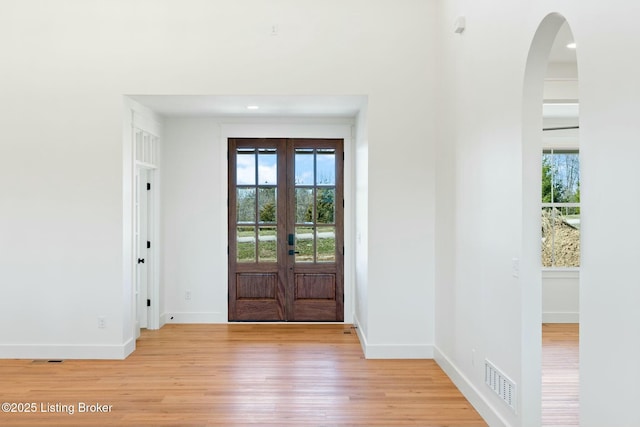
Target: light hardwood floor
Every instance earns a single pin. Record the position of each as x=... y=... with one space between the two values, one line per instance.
x=239 y=374
x=560 y=379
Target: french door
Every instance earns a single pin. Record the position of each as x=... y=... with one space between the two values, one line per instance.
x=286 y=230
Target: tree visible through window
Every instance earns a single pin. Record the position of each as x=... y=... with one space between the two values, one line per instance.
x=560 y=208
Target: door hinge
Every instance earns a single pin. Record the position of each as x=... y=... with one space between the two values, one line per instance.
x=148 y=186
x=148 y=244
x=148 y=303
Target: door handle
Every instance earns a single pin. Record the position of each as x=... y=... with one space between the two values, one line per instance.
x=292 y=252
x=291 y=240
x=140 y=260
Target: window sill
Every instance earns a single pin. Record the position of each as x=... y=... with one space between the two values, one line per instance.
x=561 y=273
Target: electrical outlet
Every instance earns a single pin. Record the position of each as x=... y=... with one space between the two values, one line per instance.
x=102 y=322
x=187 y=295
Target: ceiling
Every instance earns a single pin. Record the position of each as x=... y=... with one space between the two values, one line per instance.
x=340 y=106
x=560 y=110
x=563 y=61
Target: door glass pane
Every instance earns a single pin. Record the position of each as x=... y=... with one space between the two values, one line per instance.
x=267 y=204
x=326 y=167
x=325 y=205
x=267 y=244
x=246 y=166
x=326 y=244
x=304 y=244
x=246 y=244
x=304 y=167
x=304 y=205
x=267 y=167
x=246 y=205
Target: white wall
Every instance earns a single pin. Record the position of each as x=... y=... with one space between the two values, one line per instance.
x=401 y=208
x=479 y=201
x=560 y=296
x=480 y=305
x=609 y=294
x=67 y=65
x=194 y=256
x=61 y=193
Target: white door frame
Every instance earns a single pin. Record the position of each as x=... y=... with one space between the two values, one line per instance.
x=146 y=130
x=145 y=222
x=151 y=254
x=136 y=119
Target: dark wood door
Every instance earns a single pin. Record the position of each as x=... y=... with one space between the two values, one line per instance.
x=286 y=242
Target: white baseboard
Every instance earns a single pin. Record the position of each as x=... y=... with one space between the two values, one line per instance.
x=560 y=317
x=360 y=333
x=392 y=351
x=67 y=351
x=129 y=347
x=207 y=317
x=399 y=351
x=162 y=321
x=466 y=387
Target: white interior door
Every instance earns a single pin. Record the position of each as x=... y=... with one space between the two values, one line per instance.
x=143 y=259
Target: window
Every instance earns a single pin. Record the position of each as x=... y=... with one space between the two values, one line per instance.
x=560 y=208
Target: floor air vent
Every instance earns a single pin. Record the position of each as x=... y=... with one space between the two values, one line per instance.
x=504 y=387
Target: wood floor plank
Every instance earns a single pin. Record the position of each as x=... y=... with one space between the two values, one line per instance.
x=560 y=375
x=239 y=375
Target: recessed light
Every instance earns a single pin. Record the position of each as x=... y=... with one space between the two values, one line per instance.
x=571 y=45
x=252 y=107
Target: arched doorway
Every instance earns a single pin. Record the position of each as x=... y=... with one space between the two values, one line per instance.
x=550 y=122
